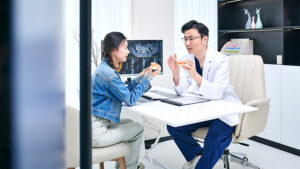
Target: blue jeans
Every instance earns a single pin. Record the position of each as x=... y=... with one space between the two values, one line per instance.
x=216 y=141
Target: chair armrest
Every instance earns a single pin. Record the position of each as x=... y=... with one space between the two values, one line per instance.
x=255 y=122
x=258 y=102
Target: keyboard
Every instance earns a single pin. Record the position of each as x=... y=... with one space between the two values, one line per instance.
x=153 y=96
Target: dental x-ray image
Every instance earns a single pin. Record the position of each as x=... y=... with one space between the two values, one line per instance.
x=142 y=53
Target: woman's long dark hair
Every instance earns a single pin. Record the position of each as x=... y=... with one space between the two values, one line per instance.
x=111 y=41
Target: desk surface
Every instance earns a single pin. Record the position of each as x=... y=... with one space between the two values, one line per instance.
x=183 y=115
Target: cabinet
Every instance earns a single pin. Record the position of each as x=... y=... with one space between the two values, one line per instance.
x=273 y=91
x=282 y=87
x=290 y=106
x=280 y=34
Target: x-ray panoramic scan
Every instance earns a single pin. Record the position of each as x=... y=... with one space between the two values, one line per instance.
x=142 y=53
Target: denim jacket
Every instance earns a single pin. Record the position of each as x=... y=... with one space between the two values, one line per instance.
x=108 y=92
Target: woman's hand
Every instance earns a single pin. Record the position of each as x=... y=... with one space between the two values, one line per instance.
x=172 y=63
x=156 y=72
x=144 y=71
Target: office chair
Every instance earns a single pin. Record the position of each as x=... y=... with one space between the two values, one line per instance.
x=247 y=78
x=115 y=152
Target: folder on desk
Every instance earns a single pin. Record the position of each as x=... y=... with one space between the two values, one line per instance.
x=153 y=96
x=185 y=100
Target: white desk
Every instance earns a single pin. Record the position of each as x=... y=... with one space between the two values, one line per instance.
x=182 y=115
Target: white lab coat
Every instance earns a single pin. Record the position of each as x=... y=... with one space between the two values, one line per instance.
x=215 y=83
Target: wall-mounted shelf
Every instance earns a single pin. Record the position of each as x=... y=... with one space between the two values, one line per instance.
x=280 y=34
x=292 y=27
x=250 y=30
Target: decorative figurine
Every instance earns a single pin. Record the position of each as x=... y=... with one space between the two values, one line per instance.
x=247 y=26
x=258 y=22
x=253 y=23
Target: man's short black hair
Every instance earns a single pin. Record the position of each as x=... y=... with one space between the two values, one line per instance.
x=202 y=29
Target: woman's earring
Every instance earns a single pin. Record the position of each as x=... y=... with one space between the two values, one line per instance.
x=119 y=67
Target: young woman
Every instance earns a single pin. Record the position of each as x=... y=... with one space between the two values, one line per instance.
x=108 y=94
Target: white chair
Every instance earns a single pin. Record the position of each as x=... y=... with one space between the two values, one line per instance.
x=247 y=78
x=115 y=152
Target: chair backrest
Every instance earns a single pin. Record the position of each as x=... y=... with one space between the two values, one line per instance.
x=248 y=79
x=72 y=141
x=72 y=137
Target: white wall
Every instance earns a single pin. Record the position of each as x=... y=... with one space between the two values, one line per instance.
x=155 y=20
x=204 y=11
x=107 y=16
x=71 y=52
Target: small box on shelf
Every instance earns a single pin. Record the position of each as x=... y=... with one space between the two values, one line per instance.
x=238 y=47
x=279 y=59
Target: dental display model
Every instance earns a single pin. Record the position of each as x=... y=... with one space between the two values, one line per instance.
x=154 y=66
x=180 y=62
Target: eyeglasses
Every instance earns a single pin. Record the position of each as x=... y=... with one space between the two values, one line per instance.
x=190 y=38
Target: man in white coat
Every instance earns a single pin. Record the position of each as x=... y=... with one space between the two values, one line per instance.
x=207 y=74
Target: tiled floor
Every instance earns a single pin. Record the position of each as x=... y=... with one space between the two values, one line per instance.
x=167 y=156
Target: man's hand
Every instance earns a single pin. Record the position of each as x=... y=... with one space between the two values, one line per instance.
x=172 y=63
x=190 y=67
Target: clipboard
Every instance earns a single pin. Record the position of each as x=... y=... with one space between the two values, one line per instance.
x=181 y=101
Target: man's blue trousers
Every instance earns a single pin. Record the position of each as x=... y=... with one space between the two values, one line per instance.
x=216 y=141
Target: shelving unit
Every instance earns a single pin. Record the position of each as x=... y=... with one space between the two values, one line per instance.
x=280 y=34
x=291 y=32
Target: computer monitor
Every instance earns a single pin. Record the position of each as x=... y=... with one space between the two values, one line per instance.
x=142 y=53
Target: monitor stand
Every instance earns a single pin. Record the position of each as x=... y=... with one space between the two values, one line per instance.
x=128 y=80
